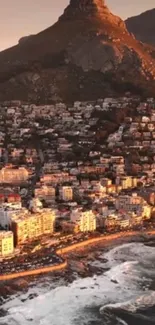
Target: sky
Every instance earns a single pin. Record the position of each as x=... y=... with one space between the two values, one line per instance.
x=20 y=18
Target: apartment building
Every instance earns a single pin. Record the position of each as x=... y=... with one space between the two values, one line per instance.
x=126 y=202
x=32 y=225
x=126 y=182
x=66 y=193
x=86 y=220
x=6 y=243
x=122 y=220
x=56 y=178
x=10 y=175
x=46 y=193
x=135 y=204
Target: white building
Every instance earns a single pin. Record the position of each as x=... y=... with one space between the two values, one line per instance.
x=35 y=205
x=7 y=212
x=6 y=243
x=86 y=220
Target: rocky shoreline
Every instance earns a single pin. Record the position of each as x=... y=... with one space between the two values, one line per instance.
x=80 y=263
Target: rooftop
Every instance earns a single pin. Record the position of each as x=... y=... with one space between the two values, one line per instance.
x=4 y=234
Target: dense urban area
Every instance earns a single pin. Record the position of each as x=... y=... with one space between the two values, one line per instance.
x=71 y=172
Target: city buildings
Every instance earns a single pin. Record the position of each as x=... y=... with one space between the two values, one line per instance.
x=129 y=202
x=70 y=158
x=122 y=221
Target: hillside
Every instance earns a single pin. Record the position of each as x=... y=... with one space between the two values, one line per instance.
x=143 y=26
x=87 y=54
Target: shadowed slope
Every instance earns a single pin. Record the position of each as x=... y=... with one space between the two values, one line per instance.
x=88 y=50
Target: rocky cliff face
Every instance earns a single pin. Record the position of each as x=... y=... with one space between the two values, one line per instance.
x=143 y=26
x=86 y=9
x=87 y=54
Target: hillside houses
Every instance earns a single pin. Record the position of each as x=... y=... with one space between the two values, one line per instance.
x=49 y=149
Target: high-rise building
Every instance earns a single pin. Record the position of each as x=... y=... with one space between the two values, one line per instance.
x=32 y=225
x=86 y=220
x=6 y=243
x=66 y=193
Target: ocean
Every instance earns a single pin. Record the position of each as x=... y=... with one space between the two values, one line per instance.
x=124 y=294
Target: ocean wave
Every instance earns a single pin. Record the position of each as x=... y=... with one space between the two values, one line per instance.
x=142 y=302
x=131 y=252
x=121 y=321
x=134 y=307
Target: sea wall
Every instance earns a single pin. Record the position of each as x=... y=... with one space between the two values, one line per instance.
x=96 y=240
x=47 y=269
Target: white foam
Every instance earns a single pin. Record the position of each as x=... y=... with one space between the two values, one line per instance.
x=121 y=321
x=141 y=302
x=63 y=304
x=133 y=252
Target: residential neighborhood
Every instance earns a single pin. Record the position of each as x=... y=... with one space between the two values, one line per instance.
x=63 y=171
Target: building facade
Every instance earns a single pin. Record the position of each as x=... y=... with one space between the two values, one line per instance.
x=46 y=193
x=86 y=220
x=6 y=243
x=10 y=175
x=32 y=225
x=66 y=193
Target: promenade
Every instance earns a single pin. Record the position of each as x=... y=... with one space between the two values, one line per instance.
x=62 y=251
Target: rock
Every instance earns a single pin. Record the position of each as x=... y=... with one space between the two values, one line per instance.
x=114 y=281
x=86 y=55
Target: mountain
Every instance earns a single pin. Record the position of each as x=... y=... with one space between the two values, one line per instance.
x=86 y=54
x=143 y=26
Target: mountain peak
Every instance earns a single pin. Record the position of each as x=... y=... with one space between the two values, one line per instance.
x=86 y=8
x=87 y=52
x=88 y=5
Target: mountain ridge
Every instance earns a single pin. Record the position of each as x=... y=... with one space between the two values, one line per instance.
x=143 y=26
x=88 y=50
